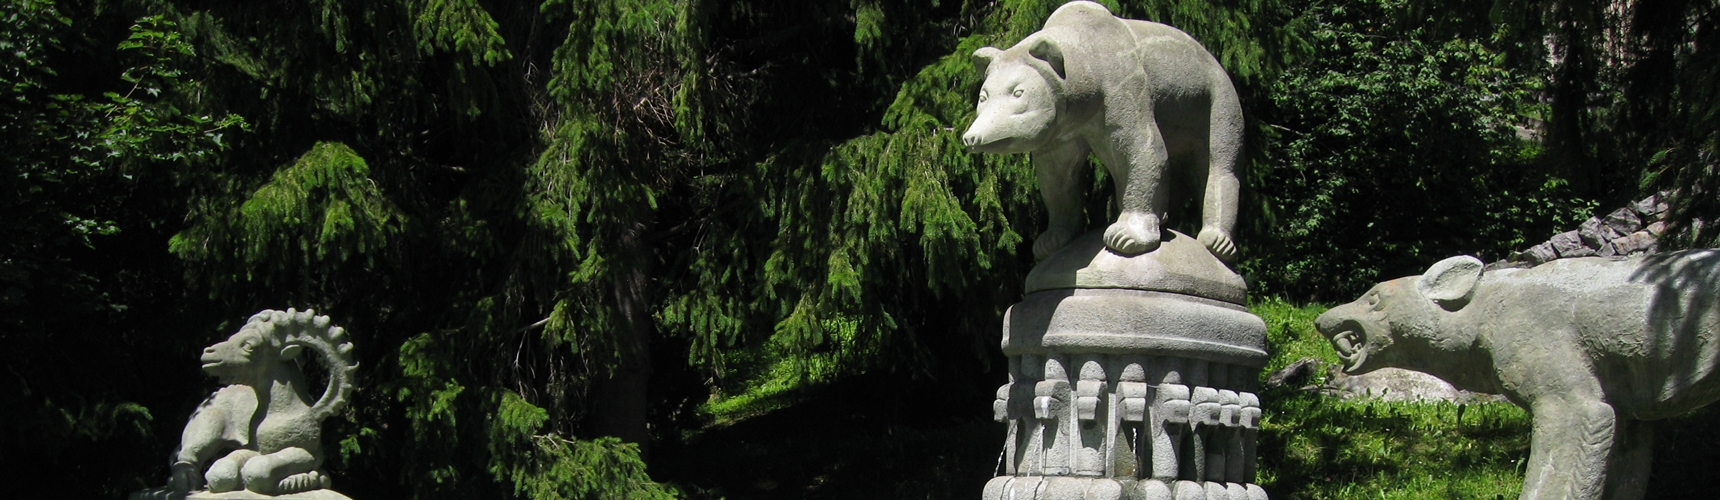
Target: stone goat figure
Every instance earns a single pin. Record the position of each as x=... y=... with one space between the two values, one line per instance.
x=1146 y=99
x=1594 y=348
x=265 y=427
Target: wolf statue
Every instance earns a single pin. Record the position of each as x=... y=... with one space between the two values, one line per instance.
x=1595 y=348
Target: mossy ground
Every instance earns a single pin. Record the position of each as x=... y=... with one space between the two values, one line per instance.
x=887 y=437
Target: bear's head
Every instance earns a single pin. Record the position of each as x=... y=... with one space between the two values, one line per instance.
x=1020 y=99
x=1397 y=323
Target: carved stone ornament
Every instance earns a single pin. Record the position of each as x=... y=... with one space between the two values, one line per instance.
x=261 y=435
x=1131 y=377
x=1595 y=348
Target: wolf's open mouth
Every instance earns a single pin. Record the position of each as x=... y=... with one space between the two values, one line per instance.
x=1349 y=345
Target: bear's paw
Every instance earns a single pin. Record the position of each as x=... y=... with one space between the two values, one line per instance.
x=1219 y=243
x=1133 y=234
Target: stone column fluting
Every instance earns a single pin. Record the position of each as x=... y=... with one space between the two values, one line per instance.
x=1130 y=377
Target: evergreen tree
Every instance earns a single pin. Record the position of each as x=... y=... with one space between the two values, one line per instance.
x=1631 y=88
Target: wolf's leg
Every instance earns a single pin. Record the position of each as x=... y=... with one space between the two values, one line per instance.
x=1572 y=440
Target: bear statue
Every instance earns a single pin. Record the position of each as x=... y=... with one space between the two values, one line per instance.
x=1148 y=101
x=1595 y=348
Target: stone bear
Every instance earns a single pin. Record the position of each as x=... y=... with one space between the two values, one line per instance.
x=1594 y=348
x=1146 y=99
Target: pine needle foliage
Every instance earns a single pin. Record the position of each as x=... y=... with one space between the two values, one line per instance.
x=563 y=469
x=317 y=213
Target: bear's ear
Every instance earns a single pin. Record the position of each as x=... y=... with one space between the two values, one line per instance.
x=983 y=57
x=1046 y=49
x=1450 y=282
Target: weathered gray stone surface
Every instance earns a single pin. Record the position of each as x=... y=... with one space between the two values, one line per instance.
x=1178 y=298
x=1092 y=83
x=1181 y=265
x=1397 y=384
x=1116 y=322
x=1624 y=221
x=262 y=435
x=1384 y=384
x=1594 y=348
x=1569 y=244
x=1131 y=377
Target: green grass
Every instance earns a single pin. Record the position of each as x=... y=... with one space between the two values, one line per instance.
x=782 y=384
x=1290 y=334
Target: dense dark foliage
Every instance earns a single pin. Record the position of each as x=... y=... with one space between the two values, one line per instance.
x=559 y=230
x=1394 y=148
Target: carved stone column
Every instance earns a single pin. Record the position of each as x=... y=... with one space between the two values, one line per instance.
x=1131 y=378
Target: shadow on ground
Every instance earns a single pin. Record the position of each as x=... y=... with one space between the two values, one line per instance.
x=866 y=437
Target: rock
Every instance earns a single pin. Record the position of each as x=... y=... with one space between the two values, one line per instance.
x=1606 y=249
x=1595 y=233
x=1539 y=253
x=1397 y=384
x=1296 y=374
x=1568 y=245
x=1624 y=221
x=1612 y=235
x=1650 y=208
x=1635 y=243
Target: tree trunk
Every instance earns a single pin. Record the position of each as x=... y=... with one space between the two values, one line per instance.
x=621 y=401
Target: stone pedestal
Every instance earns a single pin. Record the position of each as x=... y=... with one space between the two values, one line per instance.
x=1131 y=378
x=167 y=494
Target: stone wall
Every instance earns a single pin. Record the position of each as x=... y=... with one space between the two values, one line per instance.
x=1630 y=230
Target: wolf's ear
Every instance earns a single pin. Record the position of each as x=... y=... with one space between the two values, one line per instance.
x=291 y=351
x=1450 y=282
x=983 y=57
